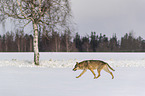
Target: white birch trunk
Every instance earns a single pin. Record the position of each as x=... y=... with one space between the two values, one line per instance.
x=35 y=44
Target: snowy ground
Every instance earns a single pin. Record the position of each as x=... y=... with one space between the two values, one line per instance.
x=67 y=60
x=62 y=82
x=20 y=77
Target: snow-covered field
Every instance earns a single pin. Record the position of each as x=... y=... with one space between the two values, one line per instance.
x=67 y=60
x=54 y=77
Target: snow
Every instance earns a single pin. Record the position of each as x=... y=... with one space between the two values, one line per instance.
x=68 y=60
x=62 y=82
x=54 y=77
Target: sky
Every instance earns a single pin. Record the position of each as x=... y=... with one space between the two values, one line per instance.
x=109 y=17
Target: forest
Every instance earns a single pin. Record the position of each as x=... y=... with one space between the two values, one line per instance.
x=65 y=42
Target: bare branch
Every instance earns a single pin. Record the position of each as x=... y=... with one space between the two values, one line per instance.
x=40 y=4
x=23 y=14
x=47 y=12
x=26 y=24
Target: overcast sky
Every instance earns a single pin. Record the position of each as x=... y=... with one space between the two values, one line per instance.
x=109 y=17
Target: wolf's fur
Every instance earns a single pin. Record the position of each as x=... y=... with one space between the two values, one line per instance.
x=92 y=65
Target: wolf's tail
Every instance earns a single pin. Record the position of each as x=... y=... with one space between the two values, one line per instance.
x=110 y=67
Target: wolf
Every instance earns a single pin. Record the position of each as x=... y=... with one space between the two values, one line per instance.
x=92 y=65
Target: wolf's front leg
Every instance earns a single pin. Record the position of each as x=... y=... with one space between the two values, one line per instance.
x=81 y=73
x=93 y=73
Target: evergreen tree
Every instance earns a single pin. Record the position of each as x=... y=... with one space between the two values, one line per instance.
x=113 y=44
x=94 y=41
x=85 y=44
x=78 y=42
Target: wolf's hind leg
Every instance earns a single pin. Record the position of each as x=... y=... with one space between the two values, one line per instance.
x=98 y=74
x=107 y=70
x=81 y=73
x=99 y=70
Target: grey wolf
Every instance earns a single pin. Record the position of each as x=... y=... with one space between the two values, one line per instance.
x=92 y=65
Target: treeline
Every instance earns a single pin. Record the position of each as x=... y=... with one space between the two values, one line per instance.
x=55 y=42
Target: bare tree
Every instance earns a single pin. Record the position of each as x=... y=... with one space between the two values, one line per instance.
x=66 y=39
x=46 y=13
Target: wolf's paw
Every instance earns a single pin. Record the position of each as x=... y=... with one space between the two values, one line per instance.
x=77 y=77
x=95 y=77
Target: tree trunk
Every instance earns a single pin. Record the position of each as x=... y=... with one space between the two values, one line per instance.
x=31 y=42
x=35 y=43
x=18 y=44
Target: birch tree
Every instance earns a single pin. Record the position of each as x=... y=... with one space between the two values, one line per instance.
x=48 y=14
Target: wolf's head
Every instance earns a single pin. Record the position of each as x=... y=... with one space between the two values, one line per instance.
x=77 y=66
